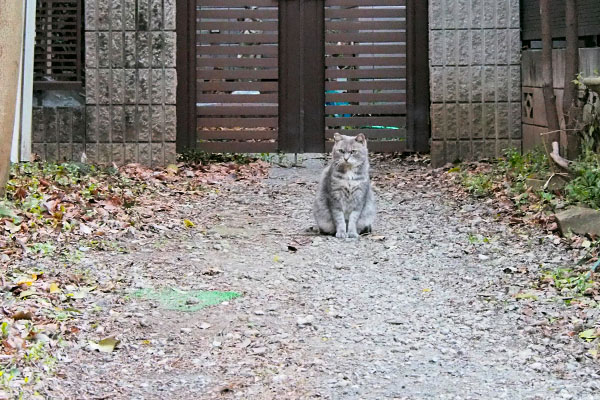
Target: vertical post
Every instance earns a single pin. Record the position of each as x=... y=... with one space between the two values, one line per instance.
x=11 y=31
x=313 y=59
x=291 y=72
x=301 y=76
x=186 y=74
x=16 y=138
x=569 y=105
x=417 y=49
x=27 y=104
x=548 y=79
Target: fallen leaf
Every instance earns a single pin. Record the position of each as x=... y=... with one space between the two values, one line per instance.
x=589 y=334
x=84 y=229
x=526 y=296
x=23 y=315
x=204 y=325
x=106 y=345
x=26 y=293
x=54 y=288
x=212 y=271
x=188 y=223
x=172 y=169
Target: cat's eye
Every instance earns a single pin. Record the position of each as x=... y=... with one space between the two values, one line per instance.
x=341 y=151
x=353 y=152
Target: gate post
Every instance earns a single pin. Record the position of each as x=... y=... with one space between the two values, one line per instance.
x=417 y=39
x=186 y=75
x=301 y=76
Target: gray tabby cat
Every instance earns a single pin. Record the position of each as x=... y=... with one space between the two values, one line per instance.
x=345 y=203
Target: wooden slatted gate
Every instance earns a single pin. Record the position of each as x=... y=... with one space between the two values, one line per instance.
x=284 y=75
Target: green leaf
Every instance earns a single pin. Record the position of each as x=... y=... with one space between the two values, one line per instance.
x=526 y=296
x=106 y=345
x=589 y=334
x=6 y=212
x=27 y=293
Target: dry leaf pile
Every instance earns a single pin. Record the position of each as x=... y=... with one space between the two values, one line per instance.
x=58 y=212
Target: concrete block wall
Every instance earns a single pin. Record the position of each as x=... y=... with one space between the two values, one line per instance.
x=58 y=133
x=130 y=48
x=475 y=79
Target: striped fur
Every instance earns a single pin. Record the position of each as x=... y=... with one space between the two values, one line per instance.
x=345 y=203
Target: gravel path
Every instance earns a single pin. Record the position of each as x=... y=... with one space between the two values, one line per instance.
x=421 y=309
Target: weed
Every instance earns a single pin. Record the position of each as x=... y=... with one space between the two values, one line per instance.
x=72 y=256
x=479 y=184
x=4 y=328
x=585 y=188
x=478 y=239
x=570 y=281
x=43 y=248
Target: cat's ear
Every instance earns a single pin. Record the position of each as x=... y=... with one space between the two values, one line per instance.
x=361 y=138
x=337 y=137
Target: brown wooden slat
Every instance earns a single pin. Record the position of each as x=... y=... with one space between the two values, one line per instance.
x=365 y=49
x=350 y=3
x=238 y=147
x=64 y=85
x=61 y=53
x=238 y=25
x=240 y=38
x=365 y=13
x=344 y=25
x=62 y=8
x=356 y=97
x=63 y=29
x=236 y=74
x=369 y=133
x=270 y=13
x=60 y=62
x=367 y=109
x=365 y=61
x=365 y=37
x=237 y=110
x=399 y=84
x=238 y=98
x=386 y=146
x=236 y=62
x=236 y=3
x=67 y=45
x=365 y=121
x=231 y=86
x=226 y=50
x=230 y=122
x=238 y=135
x=398 y=72
x=58 y=41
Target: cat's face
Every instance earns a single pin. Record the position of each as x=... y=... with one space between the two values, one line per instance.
x=349 y=151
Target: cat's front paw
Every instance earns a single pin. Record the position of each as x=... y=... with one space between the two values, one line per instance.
x=352 y=235
x=340 y=235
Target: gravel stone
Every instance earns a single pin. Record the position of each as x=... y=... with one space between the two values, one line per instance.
x=415 y=315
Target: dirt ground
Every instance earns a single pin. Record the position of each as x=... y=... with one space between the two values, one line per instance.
x=424 y=308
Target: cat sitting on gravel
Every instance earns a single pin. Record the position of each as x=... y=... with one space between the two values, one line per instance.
x=345 y=203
